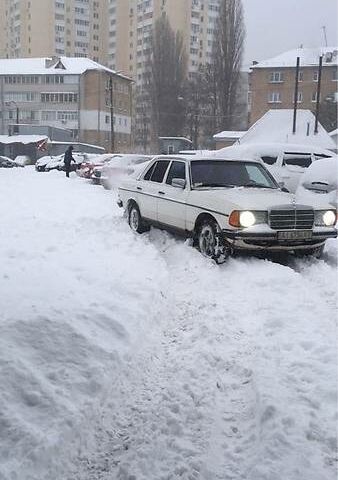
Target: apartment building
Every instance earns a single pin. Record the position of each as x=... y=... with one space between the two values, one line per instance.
x=68 y=92
x=272 y=82
x=37 y=28
x=131 y=24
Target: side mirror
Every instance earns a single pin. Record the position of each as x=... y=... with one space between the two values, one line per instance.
x=178 y=183
x=283 y=188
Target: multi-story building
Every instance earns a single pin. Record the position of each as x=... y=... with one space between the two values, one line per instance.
x=73 y=93
x=272 y=82
x=131 y=24
x=36 y=28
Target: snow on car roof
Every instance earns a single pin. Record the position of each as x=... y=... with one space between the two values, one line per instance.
x=272 y=149
x=195 y=158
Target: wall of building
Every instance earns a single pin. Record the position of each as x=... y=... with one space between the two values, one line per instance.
x=266 y=94
x=38 y=28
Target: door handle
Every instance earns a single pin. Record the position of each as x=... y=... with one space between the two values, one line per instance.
x=139 y=188
x=161 y=193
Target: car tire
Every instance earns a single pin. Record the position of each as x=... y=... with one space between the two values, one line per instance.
x=135 y=220
x=316 y=252
x=208 y=242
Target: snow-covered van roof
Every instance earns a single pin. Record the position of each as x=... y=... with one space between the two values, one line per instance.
x=51 y=65
x=308 y=57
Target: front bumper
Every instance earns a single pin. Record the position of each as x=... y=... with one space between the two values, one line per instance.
x=267 y=239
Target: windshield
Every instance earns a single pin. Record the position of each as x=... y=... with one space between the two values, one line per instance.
x=212 y=173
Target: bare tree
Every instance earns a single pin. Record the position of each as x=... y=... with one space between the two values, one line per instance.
x=166 y=82
x=227 y=59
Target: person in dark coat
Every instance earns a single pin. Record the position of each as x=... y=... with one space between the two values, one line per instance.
x=68 y=159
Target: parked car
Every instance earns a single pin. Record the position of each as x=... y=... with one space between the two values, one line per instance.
x=87 y=167
x=225 y=206
x=22 y=160
x=111 y=174
x=41 y=163
x=318 y=184
x=287 y=162
x=57 y=163
x=6 y=162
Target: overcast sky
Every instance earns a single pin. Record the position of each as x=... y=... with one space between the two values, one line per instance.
x=275 y=26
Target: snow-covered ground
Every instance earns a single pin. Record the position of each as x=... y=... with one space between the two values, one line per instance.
x=134 y=358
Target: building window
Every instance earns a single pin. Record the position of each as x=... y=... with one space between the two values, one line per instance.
x=314 y=97
x=300 y=76
x=335 y=75
x=276 y=77
x=300 y=97
x=315 y=76
x=274 y=97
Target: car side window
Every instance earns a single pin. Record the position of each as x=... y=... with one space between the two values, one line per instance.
x=177 y=170
x=150 y=171
x=269 y=160
x=159 y=171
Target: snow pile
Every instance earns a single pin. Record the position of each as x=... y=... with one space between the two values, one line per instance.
x=125 y=357
x=275 y=126
x=70 y=304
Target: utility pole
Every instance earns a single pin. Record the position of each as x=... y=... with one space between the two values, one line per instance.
x=318 y=92
x=112 y=127
x=295 y=103
x=325 y=36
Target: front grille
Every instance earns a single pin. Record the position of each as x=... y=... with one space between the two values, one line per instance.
x=291 y=219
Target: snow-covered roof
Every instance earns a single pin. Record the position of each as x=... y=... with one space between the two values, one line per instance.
x=24 y=139
x=333 y=133
x=308 y=57
x=51 y=65
x=229 y=134
x=276 y=127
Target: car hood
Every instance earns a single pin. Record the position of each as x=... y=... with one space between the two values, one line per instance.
x=248 y=198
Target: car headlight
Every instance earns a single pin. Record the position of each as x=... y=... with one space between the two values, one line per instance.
x=247 y=218
x=325 y=218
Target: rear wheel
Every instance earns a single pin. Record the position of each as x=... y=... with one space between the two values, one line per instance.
x=135 y=220
x=210 y=244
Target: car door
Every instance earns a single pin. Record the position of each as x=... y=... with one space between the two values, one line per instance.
x=171 y=209
x=149 y=187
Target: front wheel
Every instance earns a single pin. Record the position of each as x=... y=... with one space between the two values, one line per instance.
x=210 y=244
x=135 y=220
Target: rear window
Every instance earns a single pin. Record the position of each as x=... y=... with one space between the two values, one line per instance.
x=269 y=160
x=303 y=161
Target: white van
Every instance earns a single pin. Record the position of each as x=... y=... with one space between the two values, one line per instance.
x=286 y=161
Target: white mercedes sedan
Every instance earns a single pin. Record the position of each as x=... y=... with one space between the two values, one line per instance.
x=224 y=206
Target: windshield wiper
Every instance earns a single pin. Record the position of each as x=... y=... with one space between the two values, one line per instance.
x=257 y=185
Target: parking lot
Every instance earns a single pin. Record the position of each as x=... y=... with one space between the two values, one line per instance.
x=125 y=356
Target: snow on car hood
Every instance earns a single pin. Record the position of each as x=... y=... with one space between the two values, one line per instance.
x=245 y=198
